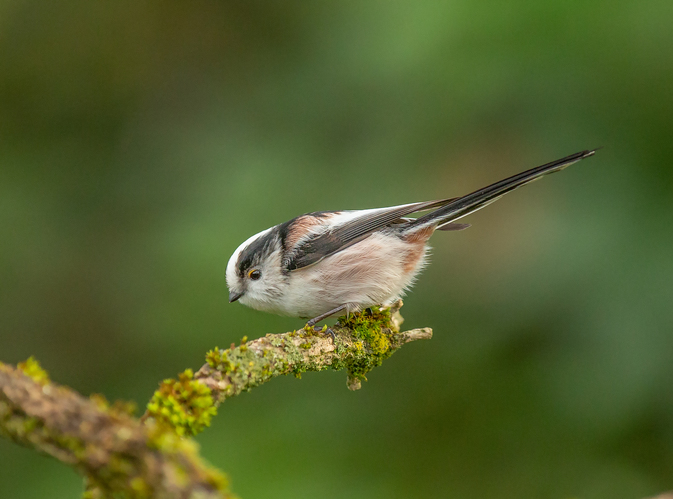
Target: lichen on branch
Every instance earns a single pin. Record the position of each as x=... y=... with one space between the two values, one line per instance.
x=153 y=457
x=118 y=455
x=359 y=343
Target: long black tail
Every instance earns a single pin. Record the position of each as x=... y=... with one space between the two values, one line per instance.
x=465 y=205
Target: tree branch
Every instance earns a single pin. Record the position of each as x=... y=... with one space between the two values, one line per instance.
x=125 y=457
x=112 y=449
x=357 y=343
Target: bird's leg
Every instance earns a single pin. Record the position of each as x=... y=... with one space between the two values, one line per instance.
x=317 y=319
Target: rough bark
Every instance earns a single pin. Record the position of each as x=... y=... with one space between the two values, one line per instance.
x=109 y=447
x=121 y=456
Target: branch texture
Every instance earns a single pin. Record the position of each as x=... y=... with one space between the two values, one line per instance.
x=119 y=456
x=357 y=344
x=123 y=457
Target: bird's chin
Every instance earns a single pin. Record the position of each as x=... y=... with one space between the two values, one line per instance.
x=250 y=301
x=253 y=302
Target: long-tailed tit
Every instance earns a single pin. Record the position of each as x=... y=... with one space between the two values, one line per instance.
x=322 y=263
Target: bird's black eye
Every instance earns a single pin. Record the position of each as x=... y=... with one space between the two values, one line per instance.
x=254 y=274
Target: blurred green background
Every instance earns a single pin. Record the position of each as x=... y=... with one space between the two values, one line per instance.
x=141 y=142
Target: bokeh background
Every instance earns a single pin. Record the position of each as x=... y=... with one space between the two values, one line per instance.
x=141 y=142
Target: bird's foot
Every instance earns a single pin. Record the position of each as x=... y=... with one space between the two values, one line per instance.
x=326 y=330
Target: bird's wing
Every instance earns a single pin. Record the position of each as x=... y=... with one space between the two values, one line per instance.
x=356 y=226
x=347 y=228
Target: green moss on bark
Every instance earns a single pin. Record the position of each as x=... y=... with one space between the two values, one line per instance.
x=185 y=405
x=31 y=367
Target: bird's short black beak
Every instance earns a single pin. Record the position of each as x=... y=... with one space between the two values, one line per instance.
x=234 y=295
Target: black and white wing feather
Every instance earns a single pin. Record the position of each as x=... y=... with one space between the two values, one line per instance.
x=347 y=228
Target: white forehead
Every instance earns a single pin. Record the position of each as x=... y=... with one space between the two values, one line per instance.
x=231 y=266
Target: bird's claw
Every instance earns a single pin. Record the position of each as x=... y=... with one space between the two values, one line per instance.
x=326 y=330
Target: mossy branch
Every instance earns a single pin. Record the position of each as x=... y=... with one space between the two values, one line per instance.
x=119 y=456
x=123 y=457
x=357 y=344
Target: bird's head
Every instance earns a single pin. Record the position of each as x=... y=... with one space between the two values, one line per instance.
x=254 y=275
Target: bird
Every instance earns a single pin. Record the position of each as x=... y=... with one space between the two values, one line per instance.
x=323 y=263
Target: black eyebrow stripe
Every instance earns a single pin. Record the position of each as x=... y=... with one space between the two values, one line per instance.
x=250 y=254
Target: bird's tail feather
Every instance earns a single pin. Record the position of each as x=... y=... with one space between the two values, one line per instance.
x=470 y=203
